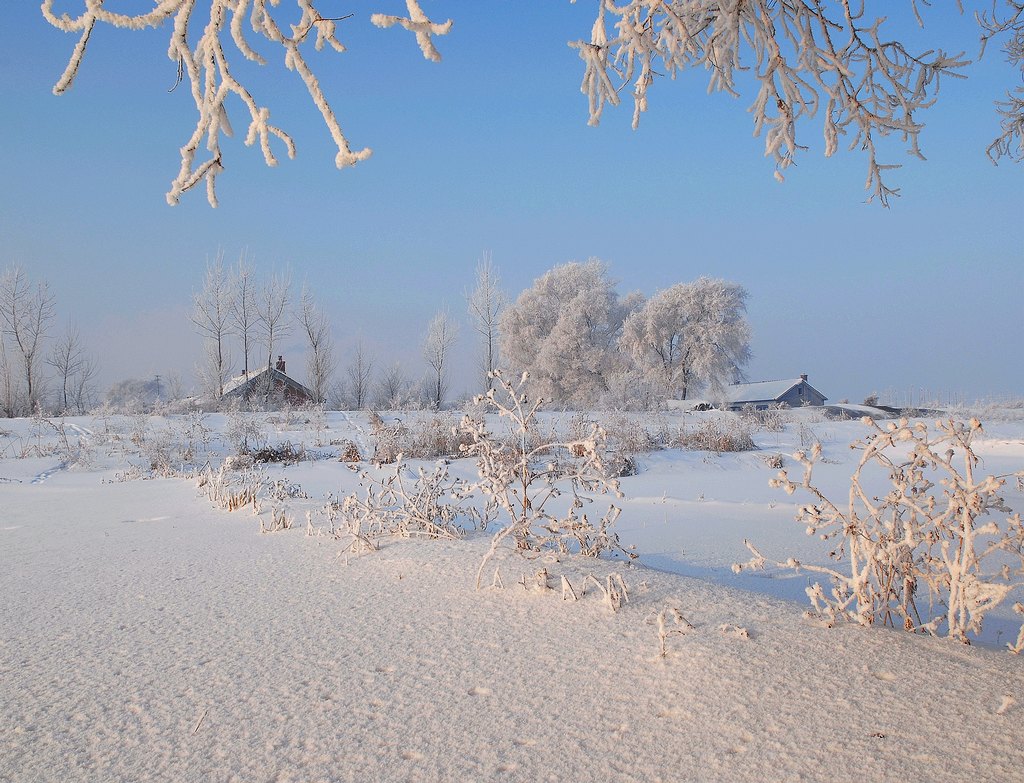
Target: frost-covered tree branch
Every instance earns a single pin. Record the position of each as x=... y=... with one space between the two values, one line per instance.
x=1010 y=143
x=205 y=61
x=833 y=59
x=803 y=56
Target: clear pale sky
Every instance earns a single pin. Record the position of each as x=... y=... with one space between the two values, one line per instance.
x=490 y=150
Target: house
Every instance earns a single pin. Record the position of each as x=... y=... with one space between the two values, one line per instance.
x=270 y=382
x=794 y=393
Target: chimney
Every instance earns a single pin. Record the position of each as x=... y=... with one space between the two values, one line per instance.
x=280 y=365
x=802 y=377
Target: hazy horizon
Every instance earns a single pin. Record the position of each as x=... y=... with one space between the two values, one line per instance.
x=489 y=151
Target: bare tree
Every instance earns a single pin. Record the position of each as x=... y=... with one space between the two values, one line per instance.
x=83 y=392
x=805 y=58
x=272 y=310
x=393 y=388
x=441 y=334
x=485 y=303
x=212 y=313
x=26 y=311
x=244 y=316
x=69 y=359
x=317 y=328
x=359 y=372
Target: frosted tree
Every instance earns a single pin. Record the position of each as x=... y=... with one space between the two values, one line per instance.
x=272 y=310
x=359 y=372
x=75 y=370
x=485 y=303
x=563 y=331
x=801 y=59
x=198 y=47
x=212 y=309
x=26 y=312
x=691 y=335
x=437 y=345
x=244 y=316
x=316 y=326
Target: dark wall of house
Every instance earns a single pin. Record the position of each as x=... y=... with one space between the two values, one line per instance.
x=801 y=395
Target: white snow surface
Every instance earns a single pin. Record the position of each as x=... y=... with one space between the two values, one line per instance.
x=146 y=635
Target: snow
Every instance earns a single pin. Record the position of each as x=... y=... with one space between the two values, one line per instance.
x=148 y=636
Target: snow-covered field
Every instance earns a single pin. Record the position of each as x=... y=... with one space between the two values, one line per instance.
x=149 y=635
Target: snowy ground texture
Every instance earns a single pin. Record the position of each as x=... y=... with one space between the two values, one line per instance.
x=147 y=635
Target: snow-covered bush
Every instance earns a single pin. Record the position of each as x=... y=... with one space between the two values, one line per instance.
x=717 y=436
x=432 y=436
x=941 y=533
x=195 y=433
x=525 y=481
x=244 y=432
x=629 y=434
x=285 y=453
x=770 y=419
x=404 y=503
x=388 y=438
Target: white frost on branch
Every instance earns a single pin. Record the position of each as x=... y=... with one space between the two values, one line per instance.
x=804 y=55
x=419 y=24
x=206 y=65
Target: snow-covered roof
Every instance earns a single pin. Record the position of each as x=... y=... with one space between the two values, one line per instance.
x=761 y=390
x=240 y=380
x=236 y=384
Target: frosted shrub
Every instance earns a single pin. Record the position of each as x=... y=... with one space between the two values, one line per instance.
x=316 y=419
x=940 y=531
x=349 y=452
x=525 y=481
x=284 y=453
x=228 y=491
x=160 y=452
x=244 y=432
x=137 y=429
x=770 y=419
x=425 y=503
x=714 y=435
x=436 y=435
x=388 y=437
x=195 y=433
x=629 y=434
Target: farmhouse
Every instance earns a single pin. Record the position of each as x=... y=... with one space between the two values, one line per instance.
x=763 y=394
x=270 y=382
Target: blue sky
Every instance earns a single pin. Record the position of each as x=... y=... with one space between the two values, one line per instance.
x=490 y=150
